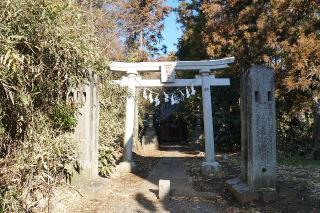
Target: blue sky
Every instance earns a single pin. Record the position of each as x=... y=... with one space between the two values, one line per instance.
x=172 y=30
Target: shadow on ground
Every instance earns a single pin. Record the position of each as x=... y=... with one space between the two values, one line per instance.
x=209 y=194
x=191 y=190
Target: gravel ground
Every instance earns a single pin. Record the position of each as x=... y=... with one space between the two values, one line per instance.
x=298 y=187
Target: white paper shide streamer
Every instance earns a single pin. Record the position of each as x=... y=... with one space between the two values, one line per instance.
x=145 y=96
x=150 y=98
x=166 y=97
x=187 y=92
x=157 y=101
x=174 y=98
x=193 y=91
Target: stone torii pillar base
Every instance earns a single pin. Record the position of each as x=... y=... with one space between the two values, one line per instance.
x=126 y=166
x=210 y=167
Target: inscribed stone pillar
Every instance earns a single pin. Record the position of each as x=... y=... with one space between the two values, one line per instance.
x=95 y=112
x=210 y=165
x=197 y=133
x=258 y=135
x=150 y=138
x=87 y=129
x=127 y=164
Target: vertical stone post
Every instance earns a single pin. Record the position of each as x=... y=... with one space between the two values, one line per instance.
x=137 y=143
x=258 y=135
x=95 y=112
x=210 y=165
x=127 y=164
x=259 y=119
x=150 y=139
x=197 y=133
x=87 y=129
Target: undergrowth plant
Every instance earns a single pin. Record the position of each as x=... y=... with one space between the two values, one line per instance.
x=112 y=117
x=39 y=164
x=46 y=48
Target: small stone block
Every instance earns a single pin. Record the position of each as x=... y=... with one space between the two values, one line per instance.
x=269 y=195
x=164 y=189
x=241 y=191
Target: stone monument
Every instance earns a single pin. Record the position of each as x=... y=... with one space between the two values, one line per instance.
x=197 y=135
x=87 y=131
x=258 y=137
x=150 y=138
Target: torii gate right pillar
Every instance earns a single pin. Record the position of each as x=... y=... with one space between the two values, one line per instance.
x=210 y=165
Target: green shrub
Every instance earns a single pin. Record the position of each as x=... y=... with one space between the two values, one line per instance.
x=64 y=117
x=112 y=117
x=106 y=160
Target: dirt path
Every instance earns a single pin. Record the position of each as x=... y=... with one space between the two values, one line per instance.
x=191 y=191
x=135 y=193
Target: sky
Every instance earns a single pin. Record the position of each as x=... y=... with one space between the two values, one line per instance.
x=172 y=30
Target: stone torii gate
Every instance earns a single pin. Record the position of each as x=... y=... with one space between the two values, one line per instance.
x=133 y=80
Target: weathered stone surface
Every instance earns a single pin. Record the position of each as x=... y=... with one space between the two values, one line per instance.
x=210 y=167
x=258 y=137
x=244 y=194
x=268 y=195
x=150 y=138
x=130 y=114
x=126 y=167
x=164 y=189
x=87 y=129
x=197 y=135
x=258 y=128
x=241 y=191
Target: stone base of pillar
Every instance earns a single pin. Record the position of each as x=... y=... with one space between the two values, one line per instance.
x=210 y=167
x=126 y=167
x=244 y=194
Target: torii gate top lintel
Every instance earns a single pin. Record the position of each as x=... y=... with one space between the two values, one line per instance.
x=177 y=65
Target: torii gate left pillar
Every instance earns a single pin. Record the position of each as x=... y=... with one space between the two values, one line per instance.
x=127 y=165
x=210 y=165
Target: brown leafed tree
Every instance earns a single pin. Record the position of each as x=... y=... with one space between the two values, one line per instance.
x=142 y=21
x=283 y=34
x=131 y=28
